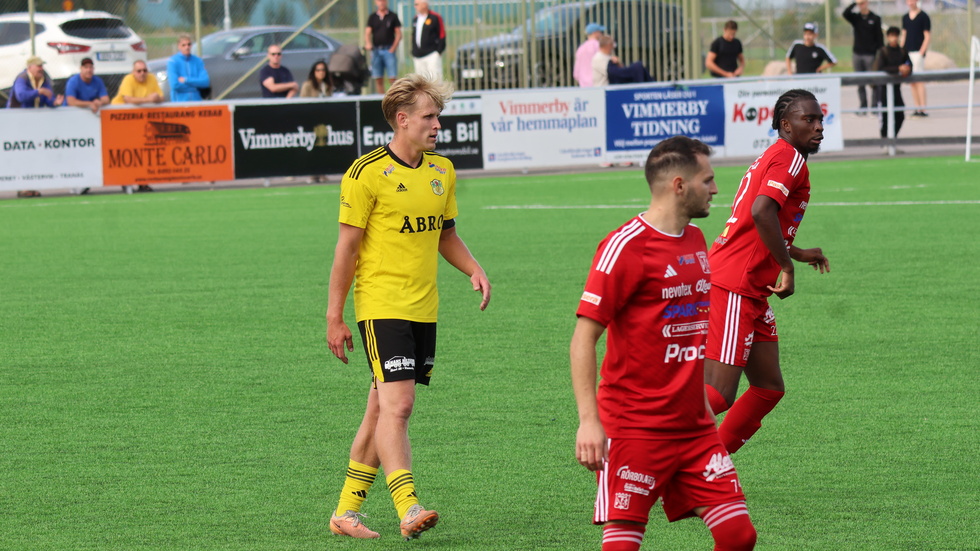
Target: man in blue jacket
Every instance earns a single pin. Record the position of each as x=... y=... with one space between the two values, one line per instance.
x=32 y=87
x=186 y=74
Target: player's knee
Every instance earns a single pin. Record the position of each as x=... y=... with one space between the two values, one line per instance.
x=731 y=527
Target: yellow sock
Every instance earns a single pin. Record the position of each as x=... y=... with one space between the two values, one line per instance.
x=360 y=477
x=401 y=484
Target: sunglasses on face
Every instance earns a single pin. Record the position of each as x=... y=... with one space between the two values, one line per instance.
x=140 y=70
x=275 y=54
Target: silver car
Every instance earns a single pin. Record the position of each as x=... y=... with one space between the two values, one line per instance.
x=230 y=54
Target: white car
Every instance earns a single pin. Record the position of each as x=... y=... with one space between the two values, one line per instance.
x=63 y=39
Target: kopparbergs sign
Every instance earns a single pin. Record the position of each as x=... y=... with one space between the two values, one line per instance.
x=49 y=148
x=295 y=139
x=460 y=138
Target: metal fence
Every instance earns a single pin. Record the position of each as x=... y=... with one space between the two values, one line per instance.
x=531 y=43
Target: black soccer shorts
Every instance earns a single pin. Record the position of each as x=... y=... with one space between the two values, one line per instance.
x=399 y=350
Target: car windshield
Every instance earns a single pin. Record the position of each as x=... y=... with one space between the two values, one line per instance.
x=96 y=28
x=551 y=20
x=218 y=43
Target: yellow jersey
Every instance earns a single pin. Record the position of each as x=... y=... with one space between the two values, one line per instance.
x=402 y=210
x=130 y=87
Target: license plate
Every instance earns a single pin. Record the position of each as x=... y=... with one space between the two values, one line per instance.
x=472 y=73
x=110 y=56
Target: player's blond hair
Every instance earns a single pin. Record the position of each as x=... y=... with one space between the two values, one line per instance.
x=406 y=91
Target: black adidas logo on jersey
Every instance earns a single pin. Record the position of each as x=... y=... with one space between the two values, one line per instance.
x=401 y=187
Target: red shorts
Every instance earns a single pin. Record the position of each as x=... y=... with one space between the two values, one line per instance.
x=686 y=473
x=735 y=322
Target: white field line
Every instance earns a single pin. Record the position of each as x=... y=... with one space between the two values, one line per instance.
x=830 y=204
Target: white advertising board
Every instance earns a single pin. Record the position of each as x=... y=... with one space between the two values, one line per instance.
x=553 y=127
x=748 y=113
x=50 y=148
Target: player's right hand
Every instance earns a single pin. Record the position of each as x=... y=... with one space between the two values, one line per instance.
x=590 y=445
x=340 y=340
x=785 y=286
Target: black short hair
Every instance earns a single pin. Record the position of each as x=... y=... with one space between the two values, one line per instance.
x=678 y=152
x=731 y=24
x=893 y=30
x=786 y=101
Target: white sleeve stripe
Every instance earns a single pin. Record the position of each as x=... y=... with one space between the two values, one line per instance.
x=616 y=245
x=797 y=164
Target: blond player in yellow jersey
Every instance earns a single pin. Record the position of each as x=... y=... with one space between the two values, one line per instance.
x=397 y=215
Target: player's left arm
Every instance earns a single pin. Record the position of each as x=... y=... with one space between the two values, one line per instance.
x=814 y=257
x=452 y=248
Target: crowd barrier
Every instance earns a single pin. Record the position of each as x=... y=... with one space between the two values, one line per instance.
x=539 y=128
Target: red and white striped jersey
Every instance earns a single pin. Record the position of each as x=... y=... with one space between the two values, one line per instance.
x=650 y=290
x=740 y=261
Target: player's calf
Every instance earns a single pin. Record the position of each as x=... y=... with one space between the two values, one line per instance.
x=731 y=527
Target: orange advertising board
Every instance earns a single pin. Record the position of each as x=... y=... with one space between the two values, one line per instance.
x=167 y=144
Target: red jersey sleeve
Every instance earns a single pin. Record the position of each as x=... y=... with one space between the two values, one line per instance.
x=616 y=273
x=783 y=175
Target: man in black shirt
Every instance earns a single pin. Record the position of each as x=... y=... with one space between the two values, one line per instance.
x=381 y=38
x=725 y=58
x=916 y=35
x=810 y=56
x=867 y=41
x=276 y=80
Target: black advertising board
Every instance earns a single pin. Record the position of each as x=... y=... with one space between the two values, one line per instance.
x=461 y=138
x=294 y=139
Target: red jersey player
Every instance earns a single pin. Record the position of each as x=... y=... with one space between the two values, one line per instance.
x=648 y=432
x=752 y=259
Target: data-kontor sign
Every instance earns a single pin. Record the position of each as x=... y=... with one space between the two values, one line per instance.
x=49 y=148
x=294 y=139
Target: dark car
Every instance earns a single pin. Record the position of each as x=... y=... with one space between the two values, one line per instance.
x=230 y=54
x=645 y=30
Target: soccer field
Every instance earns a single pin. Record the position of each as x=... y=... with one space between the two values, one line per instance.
x=166 y=384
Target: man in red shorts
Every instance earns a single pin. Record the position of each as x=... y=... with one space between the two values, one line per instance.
x=648 y=432
x=752 y=259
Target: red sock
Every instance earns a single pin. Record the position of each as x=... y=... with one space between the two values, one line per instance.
x=746 y=415
x=622 y=537
x=731 y=527
x=716 y=400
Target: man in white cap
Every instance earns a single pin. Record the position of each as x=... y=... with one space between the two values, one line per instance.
x=32 y=87
x=811 y=56
x=585 y=53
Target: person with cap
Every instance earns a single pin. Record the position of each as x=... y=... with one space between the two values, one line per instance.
x=85 y=89
x=725 y=58
x=811 y=56
x=585 y=52
x=32 y=88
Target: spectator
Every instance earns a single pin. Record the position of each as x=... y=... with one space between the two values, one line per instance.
x=916 y=35
x=429 y=41
x=85 y=89
x=586 y=51
x=317 y=85
x=139 y=87
x=867 y=41
x=381 y=38
x=189 y=80
x=32 y=88
x=893 y=59
x=348 y=70
x=607 y=69
x=277 y=81
x=725 y=58
x=810 y=56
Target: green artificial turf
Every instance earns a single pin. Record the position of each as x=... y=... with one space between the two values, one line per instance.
x=165 y=384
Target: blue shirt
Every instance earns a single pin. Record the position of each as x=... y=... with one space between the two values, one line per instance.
x=196 y=77
x=84 y=91
x=279 y=76
x=23 y=93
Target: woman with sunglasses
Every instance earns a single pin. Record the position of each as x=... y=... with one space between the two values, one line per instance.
x=317 y=85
